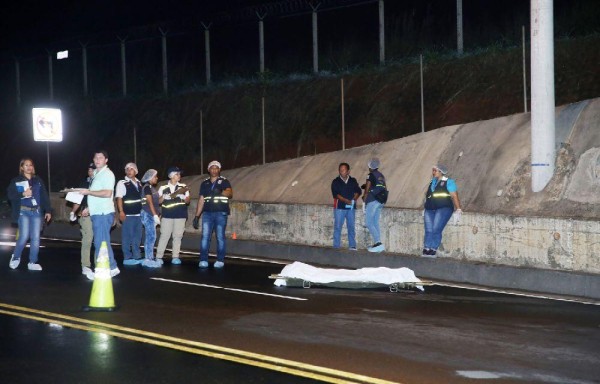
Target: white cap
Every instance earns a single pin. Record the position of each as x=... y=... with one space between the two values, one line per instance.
x=132 y=166
x=215 y=163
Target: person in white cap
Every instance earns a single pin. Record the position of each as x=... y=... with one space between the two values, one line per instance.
x=174 y=215
x=441 y=203
x=150 y=216
x=129 y=203
x=213 y=206
x=374 y=197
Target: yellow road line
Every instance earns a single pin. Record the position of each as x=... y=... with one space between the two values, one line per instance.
x=315 y=372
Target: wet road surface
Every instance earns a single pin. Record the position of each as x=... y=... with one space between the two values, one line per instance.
x=181 y=324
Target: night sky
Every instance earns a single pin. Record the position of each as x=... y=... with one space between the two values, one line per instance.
x=28 y=22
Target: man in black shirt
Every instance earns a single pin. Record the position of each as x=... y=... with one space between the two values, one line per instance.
x=345 y=191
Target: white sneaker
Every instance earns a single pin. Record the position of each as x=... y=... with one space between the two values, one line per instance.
x=86 y=270
x=34 y=267
x=14 y=263
x=114 y=272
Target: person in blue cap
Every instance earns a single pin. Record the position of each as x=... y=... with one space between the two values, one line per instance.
x=441 y=203
x=175 y=200
x=213 y=206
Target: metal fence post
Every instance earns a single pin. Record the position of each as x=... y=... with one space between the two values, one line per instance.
x=201 y=143
x=84 y=68
x=315 y=37
x=207 y=50
x=18 y=81
x=263 y=131
x=459 y=27
x=123 y=66
x=343 y=114
x=165 y=74
x=422 y=98
x=50 y=76
x=261 y=40
x=381 y=33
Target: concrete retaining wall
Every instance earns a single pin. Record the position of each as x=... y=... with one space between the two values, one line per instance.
x=503 y=223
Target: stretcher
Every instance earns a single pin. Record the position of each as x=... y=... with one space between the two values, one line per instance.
x=303 y=275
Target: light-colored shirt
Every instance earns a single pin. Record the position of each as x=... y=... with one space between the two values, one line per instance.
x=103 y=179
x=121 y=190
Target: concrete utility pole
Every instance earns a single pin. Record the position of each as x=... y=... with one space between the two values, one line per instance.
x=315 y=38
x=261 y=40
x=381 y=33
x=123 y=67
x=84 y=68
x=459 y=27
x=543 y=140
x=207 y=50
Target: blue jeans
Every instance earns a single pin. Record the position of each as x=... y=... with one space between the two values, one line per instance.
x=373 y=211
x=435 y=221
x=101 y=225
x=150 y=239
x=339 y=215
x=216 y=221
x=30 y=225
x=131 y=237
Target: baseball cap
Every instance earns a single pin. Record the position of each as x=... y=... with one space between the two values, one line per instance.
x=172 y=170
x=214 y=162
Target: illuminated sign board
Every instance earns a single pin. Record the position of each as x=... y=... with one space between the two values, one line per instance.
x=47 y=124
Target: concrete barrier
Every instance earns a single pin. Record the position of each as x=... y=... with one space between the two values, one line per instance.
x=504 y=223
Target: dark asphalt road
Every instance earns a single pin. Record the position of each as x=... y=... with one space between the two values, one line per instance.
x=182 y=324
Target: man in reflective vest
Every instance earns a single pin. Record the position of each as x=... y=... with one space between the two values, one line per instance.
x=129 y=204
x=174 y=215
x=213 y=206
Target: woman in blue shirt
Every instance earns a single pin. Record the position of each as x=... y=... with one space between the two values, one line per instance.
x=30 y=202
x=441 y=202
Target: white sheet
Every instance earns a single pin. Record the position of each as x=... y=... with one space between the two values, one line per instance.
x=380 y=275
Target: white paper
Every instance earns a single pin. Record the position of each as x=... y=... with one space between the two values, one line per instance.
x=74 y=197
x=23 y=184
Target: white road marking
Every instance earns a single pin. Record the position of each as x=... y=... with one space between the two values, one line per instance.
x=512 y=293
x=14 y=244
x=229 y=289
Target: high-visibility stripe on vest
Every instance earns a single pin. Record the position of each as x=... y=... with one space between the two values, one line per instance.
x=132 y=203
x=174 y=208
x=439 y=197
